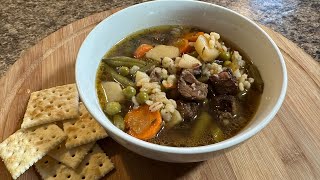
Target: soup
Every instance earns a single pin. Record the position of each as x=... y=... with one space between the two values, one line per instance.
x=178 y=86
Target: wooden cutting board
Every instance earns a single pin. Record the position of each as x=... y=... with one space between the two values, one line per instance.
x=288 y=148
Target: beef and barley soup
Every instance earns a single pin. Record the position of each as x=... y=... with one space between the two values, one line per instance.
x=178 y=86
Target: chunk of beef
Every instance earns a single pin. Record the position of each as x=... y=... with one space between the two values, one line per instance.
x=224 y=83
x=226 y=103
x=227 y=109
x=172 y=93
x=190 y=88
x=188 y=110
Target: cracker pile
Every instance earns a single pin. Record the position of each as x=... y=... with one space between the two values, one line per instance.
x=68 y=153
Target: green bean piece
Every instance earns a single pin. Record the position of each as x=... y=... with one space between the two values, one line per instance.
x=124 y=71
x=148 y=61
x=119 y=63
x=148 y=67
x=142 y=97
x=117 y=77
x=217 y=134
x=113 y=108
x=124 y=61
x=118 y=121
x=225 y=56
x=226 y=63
x=253 y=72
x=129 y=92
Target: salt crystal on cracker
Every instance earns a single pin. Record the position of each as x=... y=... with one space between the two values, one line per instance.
x=26 y=146
x=83 y=130
x=95 y=165
x=70 y=157
x=51 y=105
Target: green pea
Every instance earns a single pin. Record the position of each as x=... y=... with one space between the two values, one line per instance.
x=118 y=121
x=226 y=63
x=142 y=97
x=217 y=134
x=225 y=56
x=124 y=71
x=117 y=77
x=113 y=108
x=129 y=92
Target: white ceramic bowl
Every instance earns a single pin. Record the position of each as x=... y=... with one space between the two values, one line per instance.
x=237 y=28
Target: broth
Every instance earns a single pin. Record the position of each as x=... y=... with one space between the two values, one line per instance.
x=183 y=134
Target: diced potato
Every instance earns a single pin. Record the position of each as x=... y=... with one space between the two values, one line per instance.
x=113 y=91
x=206 y=53
x=189 y=62
x=162 y=51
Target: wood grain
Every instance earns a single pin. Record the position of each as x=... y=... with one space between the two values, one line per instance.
x=288 y=148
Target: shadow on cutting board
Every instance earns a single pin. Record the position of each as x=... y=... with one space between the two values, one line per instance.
x=129 y=165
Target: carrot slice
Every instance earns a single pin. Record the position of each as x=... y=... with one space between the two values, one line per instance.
x=142 y=50
x=193 y=36
x=142 y=123
x=183 y=45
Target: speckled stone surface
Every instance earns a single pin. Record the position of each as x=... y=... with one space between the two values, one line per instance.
x=23 y=23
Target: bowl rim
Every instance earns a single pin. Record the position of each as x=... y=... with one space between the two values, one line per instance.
x=198 y=149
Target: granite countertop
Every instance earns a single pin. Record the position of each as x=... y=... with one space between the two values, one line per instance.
x=24 y=23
